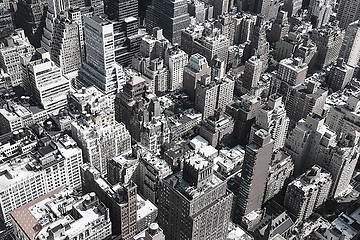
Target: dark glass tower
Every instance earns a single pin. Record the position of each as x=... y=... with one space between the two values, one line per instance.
x=170 y=15
x=121 y=9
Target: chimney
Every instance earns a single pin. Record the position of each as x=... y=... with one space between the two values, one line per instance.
x=297 y=61
x=340 y=62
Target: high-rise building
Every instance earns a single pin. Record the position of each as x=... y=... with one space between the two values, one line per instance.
x=65 y=48
x=156 y=75
x=171 y=16
x=197 y=10
x=328 y=40
x=307 y=51
x=303 y=142
x=96 y=5
x=71 y=217
x=58 y=6
x=280 y=27
x=244 y=113
x=151 y=171
x=76 y=15
x=154 y=134
x=246 y=28
x=55 y=9
x=308 y=192
x=267 y=8
x=340 y=75
x=292 y=6
x=312 y=142
x=120 y=199
x=305 y=99
x=292 y=71
x=350 y=49
x=252 y=73
x=259 y=46
x=254 y=174
x=134 y=108
x=218 y=129
x=221 y=7
x=272 y=118
x=28 y=177
x=343 y=118
x=78 y=3
x=100 y=68
x=48 y=30
x=30 y=16
x=6 y=23
x=45 y=83
x=194 y=203
x=320 y=11
x=101 y=137
x=341 y=161
x=348 y=12
x=10 y=53
x=206 y=41
x=299 y=96
x=121 y=9
x=193 y=71
x=176 y=59
x=155 y=45
x=123 y=169
x=212 y=94
x=280 y=173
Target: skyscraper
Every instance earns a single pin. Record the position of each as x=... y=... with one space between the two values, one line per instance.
x=350 y=49
x=320 y=11
x=176 y=59
x=328 y=40
x=244 y=112
x=292 y=6
x=6 y=23
x=30 y=16
x=280 y=27
x=343 y=118
x=65 y=47
x=76 y=15
x=303 y=142
x=259 y=45
x=206 y=41
x=99 y=68
x=348 y=12
x=267 y=8
x=272 y=118
x=254 y=174
x=171 y=16
x=121 y=9
x=252 y=73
